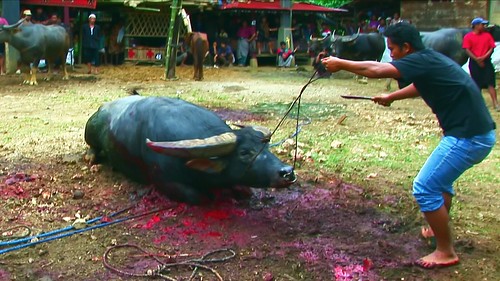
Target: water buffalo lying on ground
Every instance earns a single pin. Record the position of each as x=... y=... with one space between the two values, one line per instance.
x=198 y=43
x=34 y=42
x=185 y=150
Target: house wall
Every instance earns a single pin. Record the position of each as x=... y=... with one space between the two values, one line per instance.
x=494 y=16
x=434 y=14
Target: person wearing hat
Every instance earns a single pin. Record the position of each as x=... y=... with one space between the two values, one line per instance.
x=467 y=126
x=27 y=17
x=479 y=45
x=91 y=40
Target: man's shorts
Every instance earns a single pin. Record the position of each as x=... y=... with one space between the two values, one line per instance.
x=451 y=158
x=483 y=76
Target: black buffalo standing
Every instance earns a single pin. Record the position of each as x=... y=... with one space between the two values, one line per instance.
x=34 y=42
x=447 y=41
x=358 y=47
x=198 y=43
x=185 y=150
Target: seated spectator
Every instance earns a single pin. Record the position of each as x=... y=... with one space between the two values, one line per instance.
x=182 y=53
x=285 y=55
x=223 y=55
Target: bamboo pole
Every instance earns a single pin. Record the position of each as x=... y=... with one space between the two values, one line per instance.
x=169 y=66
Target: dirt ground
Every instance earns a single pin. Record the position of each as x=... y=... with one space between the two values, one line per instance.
x=319 y=229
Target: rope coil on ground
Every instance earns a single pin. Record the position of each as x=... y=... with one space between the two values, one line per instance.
x=163 y=269
x=14 y=228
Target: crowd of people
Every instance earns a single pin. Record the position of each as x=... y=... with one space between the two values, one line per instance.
x=257 y=35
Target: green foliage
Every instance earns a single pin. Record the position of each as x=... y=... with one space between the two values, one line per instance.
x=329 y=3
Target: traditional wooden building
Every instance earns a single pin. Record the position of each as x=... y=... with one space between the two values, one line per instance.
x=432 y=15
x=429 y=15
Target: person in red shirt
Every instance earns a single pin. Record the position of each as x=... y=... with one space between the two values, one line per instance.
x=3 y=22
x=479 y=45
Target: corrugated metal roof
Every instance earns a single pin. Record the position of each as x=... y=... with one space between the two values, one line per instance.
x=135 y=3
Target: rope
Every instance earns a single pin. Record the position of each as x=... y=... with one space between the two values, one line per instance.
x=163 y=268
x=53 y=235
x=14 y=228
x=297 y=127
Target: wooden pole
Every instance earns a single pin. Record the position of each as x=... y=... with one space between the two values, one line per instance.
x=169 y=66
x=285 y=29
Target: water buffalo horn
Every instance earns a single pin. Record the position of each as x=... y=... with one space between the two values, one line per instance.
x=219 y=145
x=348 y=39
x=267 y=133
x=319 y=39
x=7 y=27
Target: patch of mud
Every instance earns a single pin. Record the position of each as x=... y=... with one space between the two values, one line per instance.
x=321 y=232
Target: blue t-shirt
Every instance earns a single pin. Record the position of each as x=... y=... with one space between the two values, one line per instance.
x=224 y=51
x=449 y=91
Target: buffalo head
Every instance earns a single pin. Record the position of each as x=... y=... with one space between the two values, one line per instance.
x=241 y=156
x=340 y=43
x=6 y=30
x=318 y=45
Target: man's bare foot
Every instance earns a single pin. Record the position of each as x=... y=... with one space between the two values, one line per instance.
x=437 y=259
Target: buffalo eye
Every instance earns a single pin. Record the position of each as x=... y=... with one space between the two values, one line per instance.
x=246 y=154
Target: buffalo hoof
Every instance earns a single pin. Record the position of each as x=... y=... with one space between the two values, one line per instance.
x=90 y=157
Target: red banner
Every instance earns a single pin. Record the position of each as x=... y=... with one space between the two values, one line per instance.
x=62 y=3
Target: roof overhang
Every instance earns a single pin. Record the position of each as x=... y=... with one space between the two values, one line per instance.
x=90 y=4
x=276 y=6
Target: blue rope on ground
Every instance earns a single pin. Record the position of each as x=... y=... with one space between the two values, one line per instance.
x=53 y=232
x=55 y=237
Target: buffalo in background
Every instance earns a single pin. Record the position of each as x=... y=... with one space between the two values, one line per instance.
x=35 y=42
x=186 y=151
x=198 y=43
x=447 y=41
x=358 y=47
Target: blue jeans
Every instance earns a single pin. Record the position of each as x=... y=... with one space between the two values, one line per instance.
x=451 y=158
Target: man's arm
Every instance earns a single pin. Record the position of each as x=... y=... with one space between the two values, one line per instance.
x=370 y=69
x=472 y=56
x=487 y=55
x=407 y=92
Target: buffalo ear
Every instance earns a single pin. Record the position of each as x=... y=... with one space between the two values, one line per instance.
x=211 y=166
